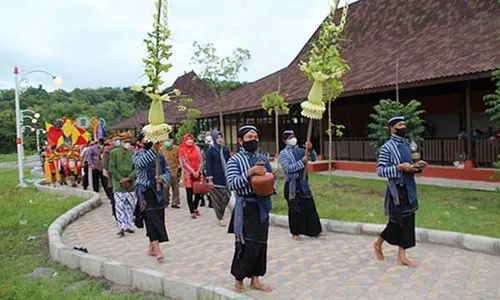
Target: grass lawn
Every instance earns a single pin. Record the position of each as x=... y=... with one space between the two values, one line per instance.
x=352 y=199
x=12 y=157
x=24 y=213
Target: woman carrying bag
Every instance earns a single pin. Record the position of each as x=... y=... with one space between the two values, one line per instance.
x=191 y=160
x=217 y=156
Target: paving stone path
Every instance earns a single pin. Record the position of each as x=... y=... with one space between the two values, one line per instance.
x=338 y=266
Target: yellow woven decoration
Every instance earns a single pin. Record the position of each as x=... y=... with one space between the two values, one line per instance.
x=157 y=130
x=314 y=107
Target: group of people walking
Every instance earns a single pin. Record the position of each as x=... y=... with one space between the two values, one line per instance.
x=144 y=181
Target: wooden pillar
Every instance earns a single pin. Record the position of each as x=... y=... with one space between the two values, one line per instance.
x=468 y=119
x=231 y=132
x=320 y=147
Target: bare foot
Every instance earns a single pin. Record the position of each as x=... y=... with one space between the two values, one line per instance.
x=238 y=285
x=406 y=262
x=261 y=287
x=159 y=255
x=322 y=234
x=296 y=237
x=378 y=251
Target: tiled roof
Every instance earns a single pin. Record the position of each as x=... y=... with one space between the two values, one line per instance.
x=190 y=86
x=430 y=39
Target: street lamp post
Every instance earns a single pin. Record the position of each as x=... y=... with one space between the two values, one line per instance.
x=19 y=140
x=38 y=139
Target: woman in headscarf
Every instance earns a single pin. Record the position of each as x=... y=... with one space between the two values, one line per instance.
x=191 y=160
x=217 y=156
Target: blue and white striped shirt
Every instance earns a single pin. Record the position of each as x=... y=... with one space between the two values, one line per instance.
x=237 y=171
x=389 y=158
x=145 y=165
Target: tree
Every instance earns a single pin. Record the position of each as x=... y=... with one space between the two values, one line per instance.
x=493 y=111
x=274 y=102
x=218 y=71
x=189 y=124
x=492 y=101
x=389 y=108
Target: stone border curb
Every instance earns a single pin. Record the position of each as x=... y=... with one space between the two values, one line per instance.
x=141 y=278
x=476 y=243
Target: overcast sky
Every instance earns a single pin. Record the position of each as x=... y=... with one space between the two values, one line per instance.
x=97 y=43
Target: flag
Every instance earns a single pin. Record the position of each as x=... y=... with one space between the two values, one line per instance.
x=80 y=136
x=54 y=135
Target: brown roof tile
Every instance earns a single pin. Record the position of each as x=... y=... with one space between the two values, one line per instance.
x=190 y=86
x=433 y=39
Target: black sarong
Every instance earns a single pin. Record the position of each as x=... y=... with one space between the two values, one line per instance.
x=154 y=217
x=250 y=259
x=302 y=215
x=402 y=235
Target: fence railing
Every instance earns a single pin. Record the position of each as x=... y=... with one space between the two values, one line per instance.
x=441 y=151
x=436 y=151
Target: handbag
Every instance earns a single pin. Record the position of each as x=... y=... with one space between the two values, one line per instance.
x=200 y=187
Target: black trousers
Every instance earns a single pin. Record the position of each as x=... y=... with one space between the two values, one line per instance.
x=192 y=204
x=96 y=177
x=250 y=259
x=154 y=217
x=402 y=235
x=85 y=179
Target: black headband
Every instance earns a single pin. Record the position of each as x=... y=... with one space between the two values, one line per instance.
x=245 y=129
x=394 y=120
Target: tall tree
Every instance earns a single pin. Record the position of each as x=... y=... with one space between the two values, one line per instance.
x=218 y=71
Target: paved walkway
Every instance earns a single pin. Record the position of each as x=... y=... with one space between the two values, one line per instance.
x=464 y=184
x=338 y=266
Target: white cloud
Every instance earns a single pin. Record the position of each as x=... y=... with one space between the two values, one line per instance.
x=93 y=43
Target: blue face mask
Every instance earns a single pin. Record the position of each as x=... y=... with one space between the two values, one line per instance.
x=168 y=144
x=117 y=143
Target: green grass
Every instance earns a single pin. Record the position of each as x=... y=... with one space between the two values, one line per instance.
x=12 y=157
x=20 y=257
x=351 y=199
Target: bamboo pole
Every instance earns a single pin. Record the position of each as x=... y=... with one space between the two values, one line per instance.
x=309 y=134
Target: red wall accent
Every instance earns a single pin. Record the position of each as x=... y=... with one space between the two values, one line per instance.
x=431 y=171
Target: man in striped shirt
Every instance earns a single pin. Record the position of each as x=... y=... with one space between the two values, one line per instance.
x=250 y=219
x=149 y=197
x=396 y=164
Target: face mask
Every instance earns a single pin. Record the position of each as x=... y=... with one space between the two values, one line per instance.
x=208 y=140
x=251 y=146
x=401 y=132
x=292 y=142
x=126 y=146
x=168 y=144
x=117 y=143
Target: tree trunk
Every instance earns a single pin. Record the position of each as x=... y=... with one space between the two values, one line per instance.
x=221 y=120
x=330 y=143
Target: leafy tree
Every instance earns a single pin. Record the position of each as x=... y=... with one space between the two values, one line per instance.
x=217 y=71
x=493 y=100
x=275 y=103
x=188 y=125
x=389 y=108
